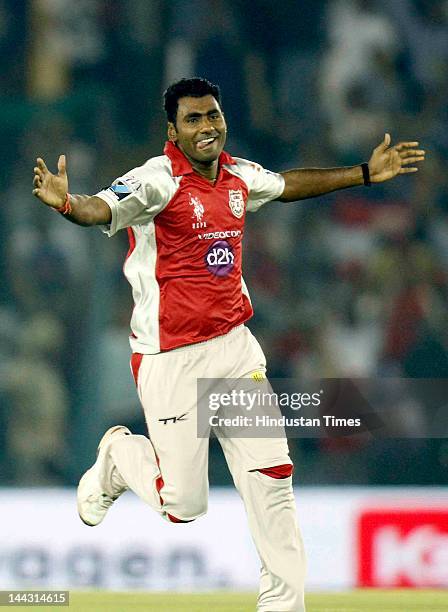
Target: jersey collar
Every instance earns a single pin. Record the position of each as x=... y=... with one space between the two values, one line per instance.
x=180 y=163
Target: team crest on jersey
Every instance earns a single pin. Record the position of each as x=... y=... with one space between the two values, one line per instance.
x=236 y=202
x=198 y=212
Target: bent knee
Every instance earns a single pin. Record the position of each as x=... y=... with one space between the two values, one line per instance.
x=278 y=472
x=185 y=509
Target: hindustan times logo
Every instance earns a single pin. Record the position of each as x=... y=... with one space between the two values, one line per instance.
x=248 y=400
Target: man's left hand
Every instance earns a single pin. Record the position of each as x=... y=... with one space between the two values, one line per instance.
x=386 y=161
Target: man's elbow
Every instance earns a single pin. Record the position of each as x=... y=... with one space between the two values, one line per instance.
x=98 y=212
x=289 y=196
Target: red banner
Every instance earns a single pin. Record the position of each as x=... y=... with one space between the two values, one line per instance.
x=403 y=548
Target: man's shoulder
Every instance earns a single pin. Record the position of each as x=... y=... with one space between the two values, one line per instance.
x=240 y=163
x=154 y=167
x=244 y=168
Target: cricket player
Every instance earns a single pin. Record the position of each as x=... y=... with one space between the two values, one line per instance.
x=184 y=212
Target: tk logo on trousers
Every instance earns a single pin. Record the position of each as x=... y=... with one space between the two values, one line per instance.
x=174 y=419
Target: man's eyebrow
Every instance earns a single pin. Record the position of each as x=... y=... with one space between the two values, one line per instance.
x=198 y=114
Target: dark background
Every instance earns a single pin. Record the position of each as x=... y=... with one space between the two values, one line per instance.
x=352 y=284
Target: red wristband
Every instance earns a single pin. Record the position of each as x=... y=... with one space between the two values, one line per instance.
x=66 y=209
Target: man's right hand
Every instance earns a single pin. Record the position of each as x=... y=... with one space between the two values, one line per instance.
x=50 y=188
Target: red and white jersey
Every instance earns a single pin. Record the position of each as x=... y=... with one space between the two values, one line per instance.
x=185 y=257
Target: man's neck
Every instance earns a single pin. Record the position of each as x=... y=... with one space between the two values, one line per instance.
x=208 y=170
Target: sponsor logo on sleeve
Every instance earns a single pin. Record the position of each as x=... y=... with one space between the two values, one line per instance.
x=123 y=187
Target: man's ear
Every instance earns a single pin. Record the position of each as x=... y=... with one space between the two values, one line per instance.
x=172 y=132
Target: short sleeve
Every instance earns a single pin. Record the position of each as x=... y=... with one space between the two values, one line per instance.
x=138 y=196
x=263 y=185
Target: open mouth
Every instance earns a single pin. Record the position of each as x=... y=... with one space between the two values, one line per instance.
x=206 y=142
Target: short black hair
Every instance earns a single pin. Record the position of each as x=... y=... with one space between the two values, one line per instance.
x=194 y=88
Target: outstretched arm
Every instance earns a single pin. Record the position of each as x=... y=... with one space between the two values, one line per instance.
x=385 y=163
x=52 y=190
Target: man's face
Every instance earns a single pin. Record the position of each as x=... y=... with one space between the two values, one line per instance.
x=200 y=129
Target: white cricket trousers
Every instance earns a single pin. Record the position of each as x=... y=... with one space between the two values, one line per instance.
x=169 y=471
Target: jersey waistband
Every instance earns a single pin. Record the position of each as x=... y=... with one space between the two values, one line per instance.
x=198 y=345
x=233 y=333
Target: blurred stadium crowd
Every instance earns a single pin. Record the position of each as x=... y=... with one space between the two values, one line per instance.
x=354 y=284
